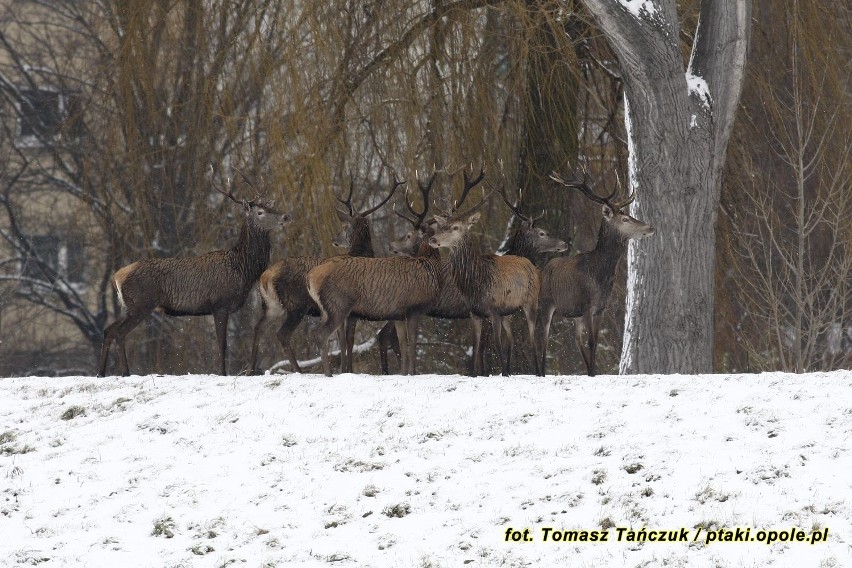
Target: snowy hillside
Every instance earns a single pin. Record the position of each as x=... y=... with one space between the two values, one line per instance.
x=427 y=471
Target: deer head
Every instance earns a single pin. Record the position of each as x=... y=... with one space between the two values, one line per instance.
x=259 y=212
x=540 y=239
x=613 y=211
x=452 y=226
x=353 y=220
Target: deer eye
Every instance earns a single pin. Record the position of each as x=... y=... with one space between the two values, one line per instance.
x=260 y=212
x=626 y=219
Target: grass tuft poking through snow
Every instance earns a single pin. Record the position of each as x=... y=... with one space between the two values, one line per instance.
x=208 y=471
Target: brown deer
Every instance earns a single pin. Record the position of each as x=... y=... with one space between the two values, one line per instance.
x=579 y=286
x=449 y=303
x=493 y=286
x=284 y=292
x=376 y=289
x=398 y=289
x=216 y=283
x=527 y=240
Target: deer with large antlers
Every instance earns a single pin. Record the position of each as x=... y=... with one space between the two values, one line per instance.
x=526 y=240
x=284 y=291
x=579 y=286
x=216 y=283
x=400 y=289
x=493 y=286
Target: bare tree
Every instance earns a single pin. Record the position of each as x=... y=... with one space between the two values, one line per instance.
x=116 y=110
x=679 y=117
x=788 y=214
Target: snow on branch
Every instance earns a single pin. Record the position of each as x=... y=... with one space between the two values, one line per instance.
x=316 y=361
x=698 y=87
x=639 y=8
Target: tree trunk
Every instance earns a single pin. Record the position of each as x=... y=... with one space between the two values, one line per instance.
x=678 y=122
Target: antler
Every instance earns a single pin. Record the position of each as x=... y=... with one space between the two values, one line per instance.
x=425 y=190
x=248 y=183
x=348 y=201
x=229 y=194
x=585 y=190
x=630 y=197
x=516 y=207
x=396 y=184
x=468 y=185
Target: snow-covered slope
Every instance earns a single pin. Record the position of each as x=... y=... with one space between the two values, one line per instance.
x=426 y=471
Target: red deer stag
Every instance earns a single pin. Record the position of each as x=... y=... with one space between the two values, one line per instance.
x=215 y=283
x=527 y=240
x=284 y=292
x=400 y=289
x=493 y=286
x=579 y=286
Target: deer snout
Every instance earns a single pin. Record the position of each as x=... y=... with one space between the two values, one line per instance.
x=433 y=242
x=649 y=231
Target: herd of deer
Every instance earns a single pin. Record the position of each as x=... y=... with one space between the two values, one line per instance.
x=399 y=289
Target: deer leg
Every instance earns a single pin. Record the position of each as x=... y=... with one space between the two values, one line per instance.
x=255 y=341
x=109 y=337
x=411 y=333
x=291 y=322
x=510 y=340
x=478 y=360
x=388 y=339
x=348 y=345
x=341 y=343
x=593 y=344
x=402 y=335
x=542 y=333
x=261 y=328
x=220 y=320
x=329 y=324
x=118 y=332
x=580 y=329
x=530 y=315
x=498 y=343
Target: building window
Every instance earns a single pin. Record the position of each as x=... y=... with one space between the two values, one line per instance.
x=54 y=256
x=42 y=115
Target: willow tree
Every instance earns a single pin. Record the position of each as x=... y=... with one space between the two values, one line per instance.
x=679 y=115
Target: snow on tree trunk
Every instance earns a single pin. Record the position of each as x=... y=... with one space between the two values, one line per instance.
x=678 y=122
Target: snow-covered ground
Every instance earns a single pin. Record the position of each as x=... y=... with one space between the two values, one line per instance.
x=426 y=471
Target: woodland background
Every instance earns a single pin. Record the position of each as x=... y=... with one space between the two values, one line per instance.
x=113 y=112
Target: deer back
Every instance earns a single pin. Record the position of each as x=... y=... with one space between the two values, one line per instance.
x=376 y=288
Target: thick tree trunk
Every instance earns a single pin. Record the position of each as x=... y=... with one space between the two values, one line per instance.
x=678 y=121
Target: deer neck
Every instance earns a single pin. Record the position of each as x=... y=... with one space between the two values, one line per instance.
x=607 y=254
x=426 y=251
x=362 y=242
x=252 y=251
x=521 y=245
x=469 y=268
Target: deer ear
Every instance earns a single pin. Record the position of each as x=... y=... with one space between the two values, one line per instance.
x=607 y=212
x=246 y=205
x=439 y=220
x=473 y=219
x=343 y=216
